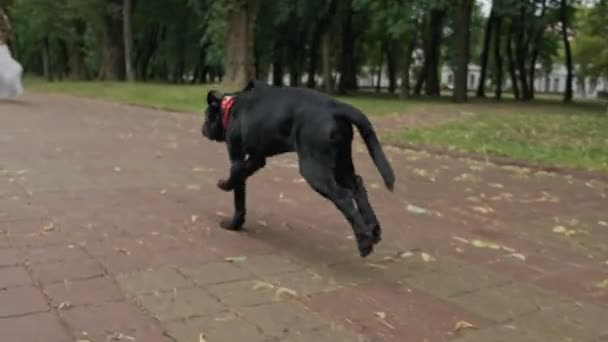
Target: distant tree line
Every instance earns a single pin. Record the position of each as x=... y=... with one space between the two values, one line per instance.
x=313 y=43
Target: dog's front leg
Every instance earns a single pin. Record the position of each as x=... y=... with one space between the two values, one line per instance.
x=238 y=219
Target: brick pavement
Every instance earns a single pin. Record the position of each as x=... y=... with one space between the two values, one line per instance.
x=108 y=232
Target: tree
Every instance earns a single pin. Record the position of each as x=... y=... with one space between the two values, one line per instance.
x=128 y=39
x=485 y=54
x=240 y=63
x=462 y=32
x=564 y=17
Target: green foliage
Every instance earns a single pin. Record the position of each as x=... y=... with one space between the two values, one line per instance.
x=590 y=48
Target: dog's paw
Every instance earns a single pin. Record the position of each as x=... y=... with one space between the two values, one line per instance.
x=365 y=243
x=224 y=185
x=230 y=225
x=376 y=234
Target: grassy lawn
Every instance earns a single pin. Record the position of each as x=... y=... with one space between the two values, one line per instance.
x=545 y=131
x=188 y=98
x=554 y=134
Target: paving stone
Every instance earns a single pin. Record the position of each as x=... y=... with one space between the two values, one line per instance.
x=224 y=328
x=566 y=322
x=100 y=322
x=215 y=273
x=84 y=292
x=8 y=257
x=466 y=279
x=68 y=270
x=55 y=254
x=269 y=264
x=154 y=280
x=508 y=333
x=281 y=319
x=323 y=335
x=305 y=282
x=506 y=302
x=244 y=293
x=21 y=301
x=42 y=327
x=389 y=313
x=179 y=304
x=14 y=276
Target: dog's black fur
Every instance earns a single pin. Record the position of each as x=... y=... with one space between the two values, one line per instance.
x=266 y=121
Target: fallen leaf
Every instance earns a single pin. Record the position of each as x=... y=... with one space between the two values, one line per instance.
x=117 y=169
x=518 y=256
x=120 y=337
x=427 y=257
x=483 y=210
x=193 y=187
x=284 y=291
x=236 y=259
x=382 y=318
x=496 y=185
x=603 y=284
x=381 y=315
x=460 y=239
x=221 y=214
x=485 y=244
x=462 y=325
x=201 y=337
x=64 y=305
x=194 y=218
x=262 y=285
x=372 y=265
x=163 y=191
x=406 y=255
x=603 y=223
x=565 y=231
x=417 y=210
x=49 y=227
x=262 y=223
x=124 y=251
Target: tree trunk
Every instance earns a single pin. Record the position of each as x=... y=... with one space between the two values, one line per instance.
x=391 y=66
x=46 y=63
x=379 y=70
x=407 y=64
x=462 y=33
x=485 y=53
x=511 y=62
x=148 y=47
x=112 y=54
x=320 y=29
x=240 y=64
x=348 y=68
x=563 y=14
x=433 y=52
x=497 y=59
x=77 y=68
x=128 y=39
x=537 y=36
x=327 y=77
x=277 y=63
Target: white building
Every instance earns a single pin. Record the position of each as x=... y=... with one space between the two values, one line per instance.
x=553 y=82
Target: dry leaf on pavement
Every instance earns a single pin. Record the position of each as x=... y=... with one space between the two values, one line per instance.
x=462 y=325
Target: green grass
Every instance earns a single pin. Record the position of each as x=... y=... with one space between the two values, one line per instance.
x=188 y=98
x=545 y=131
x=575 y=136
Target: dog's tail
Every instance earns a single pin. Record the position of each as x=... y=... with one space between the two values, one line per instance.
x=371 y=141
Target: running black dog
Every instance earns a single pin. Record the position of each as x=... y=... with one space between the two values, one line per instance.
x=262 y=121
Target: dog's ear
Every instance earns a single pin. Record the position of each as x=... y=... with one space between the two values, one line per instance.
x=214 y=98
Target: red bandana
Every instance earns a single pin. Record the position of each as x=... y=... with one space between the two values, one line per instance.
x=227 y=103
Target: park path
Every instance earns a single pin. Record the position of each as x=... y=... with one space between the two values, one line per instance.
x=108 y=232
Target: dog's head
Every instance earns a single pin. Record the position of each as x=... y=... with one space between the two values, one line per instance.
x=212 y=127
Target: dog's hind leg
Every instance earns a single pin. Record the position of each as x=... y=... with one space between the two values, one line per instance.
x=320 y=176
x=346 y=177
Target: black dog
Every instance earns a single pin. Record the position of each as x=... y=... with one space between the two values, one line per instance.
x=261 y=121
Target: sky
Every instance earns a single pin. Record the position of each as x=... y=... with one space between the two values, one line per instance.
x=485 y=5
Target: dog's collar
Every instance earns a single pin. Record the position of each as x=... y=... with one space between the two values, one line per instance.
x=227 y=103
